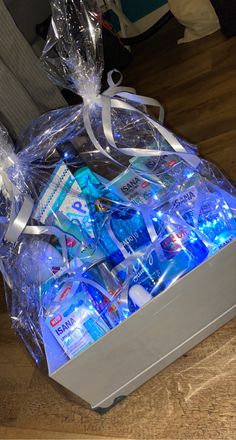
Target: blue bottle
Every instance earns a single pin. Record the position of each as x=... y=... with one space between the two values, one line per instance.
x=181 y=249
x=147 y=273
x=107 y=210
x=120 y=230
x=205 y=210
x=215 y=218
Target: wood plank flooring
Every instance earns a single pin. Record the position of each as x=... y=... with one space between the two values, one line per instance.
x=194 y=398
x=196 y=83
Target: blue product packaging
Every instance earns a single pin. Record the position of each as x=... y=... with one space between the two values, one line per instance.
x=200 y=204
x=133 y=187
x=62 y=204
x=62 y=193
x=72 y=319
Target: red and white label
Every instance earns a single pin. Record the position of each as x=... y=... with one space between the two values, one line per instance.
x=171 y=163
x=55 y=320
x=70 y=242
x=64 y=293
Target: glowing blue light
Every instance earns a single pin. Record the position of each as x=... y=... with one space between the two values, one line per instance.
x=155 y=219
x=193 y=239
x=66 y=154
x=189 y=175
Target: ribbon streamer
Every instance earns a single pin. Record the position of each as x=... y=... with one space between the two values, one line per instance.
x=18 y=221
x=114 y=97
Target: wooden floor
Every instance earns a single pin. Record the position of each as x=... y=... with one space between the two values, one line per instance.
x=194 y=398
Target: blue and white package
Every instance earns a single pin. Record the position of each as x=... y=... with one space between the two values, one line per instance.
x=62 y=193
x=72 y=319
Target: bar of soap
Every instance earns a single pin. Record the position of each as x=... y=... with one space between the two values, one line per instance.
x=139 y=295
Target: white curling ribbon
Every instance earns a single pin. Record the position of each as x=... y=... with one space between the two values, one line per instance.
x=18 y=221
x=130 y=94
x=110 y=99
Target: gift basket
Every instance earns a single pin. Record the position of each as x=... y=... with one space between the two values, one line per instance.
x=102 y=208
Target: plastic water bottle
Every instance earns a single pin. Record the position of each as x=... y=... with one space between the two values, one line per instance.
x=181 y=249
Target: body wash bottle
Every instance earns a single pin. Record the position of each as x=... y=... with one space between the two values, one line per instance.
x=181 y=249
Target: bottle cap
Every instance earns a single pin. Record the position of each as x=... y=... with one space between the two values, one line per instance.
x=139 y=295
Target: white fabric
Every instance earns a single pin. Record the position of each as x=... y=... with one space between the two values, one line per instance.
x=25 y=91
x=198 y=17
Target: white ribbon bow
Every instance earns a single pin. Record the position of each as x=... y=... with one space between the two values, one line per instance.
x=114 y=97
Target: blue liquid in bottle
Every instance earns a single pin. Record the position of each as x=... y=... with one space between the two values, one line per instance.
x=147 y=273
x=210 y=215
x=127 y=224
x=121 y=231
x=107 y=305
x=182 y=250
x=215 y=218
